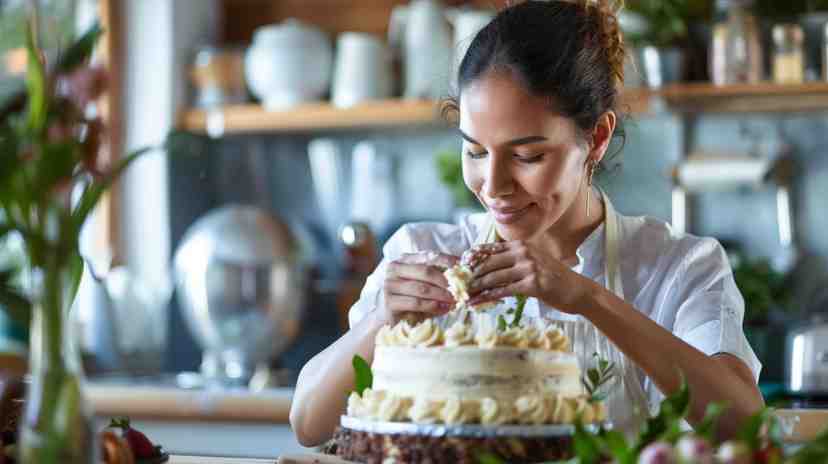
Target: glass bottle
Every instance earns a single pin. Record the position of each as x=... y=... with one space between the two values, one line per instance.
x=788 y=54
x=736 y=48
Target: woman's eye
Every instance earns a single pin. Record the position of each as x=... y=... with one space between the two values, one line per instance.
x=472 y=155
x=530 y=159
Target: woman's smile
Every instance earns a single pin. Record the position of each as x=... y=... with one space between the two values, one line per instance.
x=507 y=215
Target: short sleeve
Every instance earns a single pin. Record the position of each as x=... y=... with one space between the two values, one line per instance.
x=371 y=296
x=710 y=307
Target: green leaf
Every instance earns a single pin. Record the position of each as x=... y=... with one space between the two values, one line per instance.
x=92 y=193
x=587 y=447
x=488 y=458
x=673 y=409
x=521 y=302
x=749 y=433
x=55 y=166
x=81 y=50
x=76 y=270
x=594 y=377
x=677 y=405
x=707 y=428
x=616 y=444
x=815 y=451
x=35 y=85
x=9 y=155
x=362 y=374
x=12 y=300
x=501 y=323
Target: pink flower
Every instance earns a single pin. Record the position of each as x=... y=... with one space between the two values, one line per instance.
x=83 y=85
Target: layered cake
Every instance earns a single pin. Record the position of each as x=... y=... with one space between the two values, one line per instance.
x=449 y=389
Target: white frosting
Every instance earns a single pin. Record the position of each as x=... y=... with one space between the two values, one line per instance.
x=482 y=332
x=535 y=409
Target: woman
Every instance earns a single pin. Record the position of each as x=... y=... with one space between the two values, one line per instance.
x=537 y=99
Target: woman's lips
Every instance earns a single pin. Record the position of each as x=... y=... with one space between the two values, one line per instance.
x=510 y=216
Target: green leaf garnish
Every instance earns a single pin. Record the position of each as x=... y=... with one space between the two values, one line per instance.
x=521 y=302
x=707 y=428
x=749 y=433
x=362 y=374
x=673 y=409
x=586 y=445
x=597 y=377
x=501 y=323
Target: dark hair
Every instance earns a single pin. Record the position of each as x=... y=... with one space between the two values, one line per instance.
x=569 y=51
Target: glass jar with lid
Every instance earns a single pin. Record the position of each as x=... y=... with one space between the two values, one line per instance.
x=736 y=48
x=788 y=54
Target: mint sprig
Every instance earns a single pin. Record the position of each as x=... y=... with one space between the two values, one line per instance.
x=597 y=377
x=363 y=377
x=521 y=302
x=517 y=313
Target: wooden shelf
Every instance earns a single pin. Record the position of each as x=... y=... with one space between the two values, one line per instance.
x=240 y=119
x=682 y=98
x=747 y=98
x=316 y=116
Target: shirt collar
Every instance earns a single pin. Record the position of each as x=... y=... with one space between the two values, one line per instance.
x=590 y=246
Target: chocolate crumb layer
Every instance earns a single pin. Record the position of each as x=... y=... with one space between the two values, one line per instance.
x=375 y=448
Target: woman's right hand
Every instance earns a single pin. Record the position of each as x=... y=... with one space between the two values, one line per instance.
x=415 y=287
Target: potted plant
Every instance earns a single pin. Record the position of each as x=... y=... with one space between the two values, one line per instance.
x=658 y=29
x=450 y=169
x=51 y=178
x=767 y=298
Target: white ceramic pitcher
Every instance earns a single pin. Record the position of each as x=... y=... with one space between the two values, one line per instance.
x=420 y=32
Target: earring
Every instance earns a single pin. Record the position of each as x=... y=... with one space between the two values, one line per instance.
x=592 y=166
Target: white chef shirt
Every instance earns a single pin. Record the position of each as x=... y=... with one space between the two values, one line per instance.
x=681 y=281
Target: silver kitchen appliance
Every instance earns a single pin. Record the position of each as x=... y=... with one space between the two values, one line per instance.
x=807 y=359
x=240 y=281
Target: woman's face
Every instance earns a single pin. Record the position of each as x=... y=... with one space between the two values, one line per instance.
x=524 y=162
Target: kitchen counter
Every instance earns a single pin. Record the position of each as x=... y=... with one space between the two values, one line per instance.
x=802 y=425
x=232 y=423
x=176 y=404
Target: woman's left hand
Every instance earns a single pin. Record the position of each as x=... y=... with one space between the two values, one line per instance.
x=519 y=267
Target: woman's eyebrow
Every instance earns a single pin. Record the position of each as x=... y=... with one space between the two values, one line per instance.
x=511 y=143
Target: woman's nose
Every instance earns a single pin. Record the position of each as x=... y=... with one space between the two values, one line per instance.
x=499 y=181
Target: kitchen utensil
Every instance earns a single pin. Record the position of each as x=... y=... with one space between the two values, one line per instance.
x=138 y=307
x=372 y=186
x=806 y=354
x=736 y=49
x=240 y=277
x=421 y=35
x=217 y=77
x=122 y=321
x=327 y=167
x=288 y=63
x=362 y=70
x=467 y=23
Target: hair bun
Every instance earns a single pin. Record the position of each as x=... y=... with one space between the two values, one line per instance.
x=609 y=30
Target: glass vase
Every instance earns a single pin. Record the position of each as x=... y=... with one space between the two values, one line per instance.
x=57 y=423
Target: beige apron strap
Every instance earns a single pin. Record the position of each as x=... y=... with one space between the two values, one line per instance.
x=612 y=234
